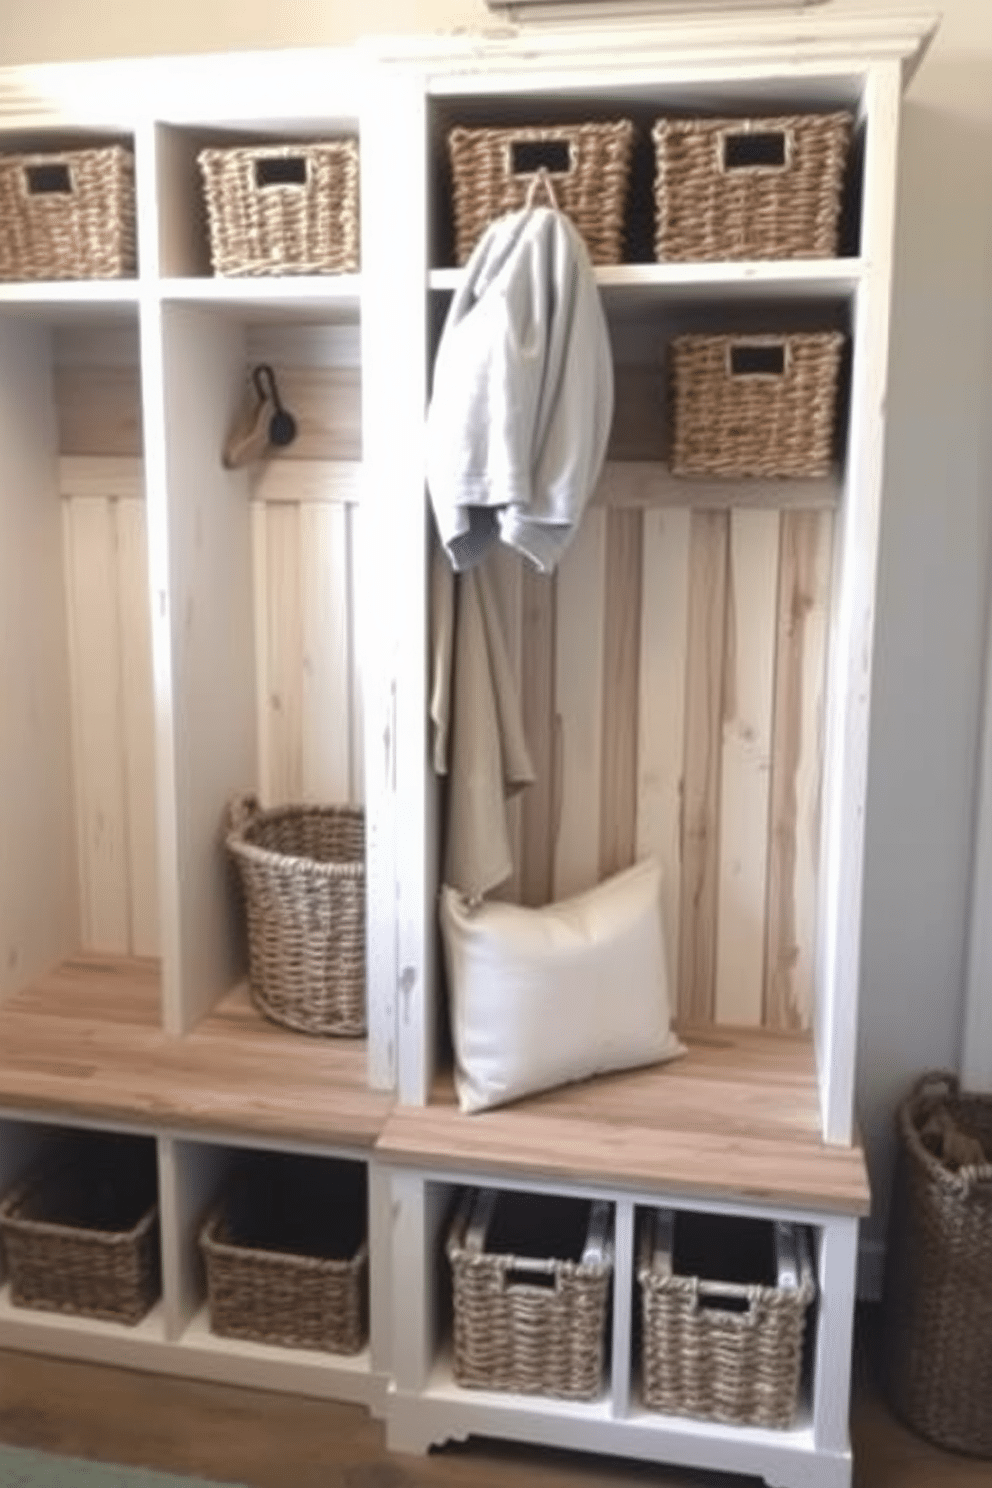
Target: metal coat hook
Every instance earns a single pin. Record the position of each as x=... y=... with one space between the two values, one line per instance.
x=282 y=425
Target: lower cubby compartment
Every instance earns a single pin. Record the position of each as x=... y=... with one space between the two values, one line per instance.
x=79 y=1222
x=721 y=1317
x=272 y=1254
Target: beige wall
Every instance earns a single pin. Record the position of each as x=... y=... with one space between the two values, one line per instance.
x=937 y=522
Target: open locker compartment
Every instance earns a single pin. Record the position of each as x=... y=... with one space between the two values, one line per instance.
x=79 y=897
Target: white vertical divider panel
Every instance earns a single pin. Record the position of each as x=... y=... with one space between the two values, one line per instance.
x=159 y=575
x=624 y=1262
x=579 y=632
x=39 y=909
x=213 y=664
x=749 y=660
x=134 y=612
x=380 y=1270
x=839 y=918
x=837 y=1265
x=401 y=874
x=97 y=722
x=356 y=660
x=661 y=712
x=190 y=1177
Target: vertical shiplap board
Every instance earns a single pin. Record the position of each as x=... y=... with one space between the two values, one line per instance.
x=537 y=686
x=356 y=660
x=797 y=757
x=284 y=646
x=325 y=585
x=578 y=700
x=708 y=538
x=98 y=714
x=661 y=711
x=39 y=920
x=139 y=724
x=839 y=918
x=748 y=666
x=621 y=643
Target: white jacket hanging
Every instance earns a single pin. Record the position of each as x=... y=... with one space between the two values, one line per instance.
x=522 y=400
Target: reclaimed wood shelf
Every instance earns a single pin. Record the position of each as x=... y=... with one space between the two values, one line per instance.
x=738 y=1118
x=85 y=1043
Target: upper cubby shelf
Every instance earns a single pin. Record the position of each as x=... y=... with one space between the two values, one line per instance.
x=67 y=302
x=311 y=298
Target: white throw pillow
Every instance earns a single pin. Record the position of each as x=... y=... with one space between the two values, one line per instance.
x=540 y=997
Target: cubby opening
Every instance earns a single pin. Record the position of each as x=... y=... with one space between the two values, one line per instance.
x=184 y=236
x=643 y=105
x=272 y=1254
x=79 y=885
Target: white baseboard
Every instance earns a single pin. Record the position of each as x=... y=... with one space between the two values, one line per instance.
x=871 y=1270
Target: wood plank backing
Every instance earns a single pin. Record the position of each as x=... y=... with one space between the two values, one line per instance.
x=802 y=623
x=579 y=701
x=621 y=661
x=752 y=571
x=661 y=712
x=84 y=1042
x=99 y=410
x=506 y=570
x=737 y=1118
x=538 y=695
x=703 y=739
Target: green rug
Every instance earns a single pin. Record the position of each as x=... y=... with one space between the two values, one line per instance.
x=20 y=1469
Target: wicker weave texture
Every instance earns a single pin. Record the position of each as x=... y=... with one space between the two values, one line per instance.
x=68 y=216
x=718 y=1365
x=709 y=208
x=297 y=1301
x=592 y=191
x=283 y=209
x=938 y=1302
x=511 y=1334
x=732 y=422
x=303 y=872
x=88 y=1272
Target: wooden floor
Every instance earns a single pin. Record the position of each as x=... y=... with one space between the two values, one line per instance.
x=737 y=1117
x=85 y=1042
x=276 y=1441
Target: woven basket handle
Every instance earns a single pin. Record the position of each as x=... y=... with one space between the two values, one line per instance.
x=526 y=1271
x=242 y=812
x=52 y=179
x=541 y=181
x=766 y=358
x=738 y=1302
x=767 y=151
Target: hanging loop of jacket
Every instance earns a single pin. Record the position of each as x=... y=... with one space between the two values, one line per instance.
x=522 y=399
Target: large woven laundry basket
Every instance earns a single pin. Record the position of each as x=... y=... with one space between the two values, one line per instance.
x=303 y=872
x=938 y=1284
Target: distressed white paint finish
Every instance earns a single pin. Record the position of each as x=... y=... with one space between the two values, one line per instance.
x=661 y=712
x=400 y=794
x=749 y=653
x=841 y=857
x=579 y=633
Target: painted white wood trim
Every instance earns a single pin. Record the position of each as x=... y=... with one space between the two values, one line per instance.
x=976 y=1036
x=836 y=1275
x=848 y=691
x=624 y=1301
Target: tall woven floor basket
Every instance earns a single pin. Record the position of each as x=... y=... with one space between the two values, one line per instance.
x=303 y=872
x=938 y=1302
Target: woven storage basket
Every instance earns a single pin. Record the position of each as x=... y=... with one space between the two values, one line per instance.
x=283 y=209
x=754 y=405
x=68 y=215
x=938 y=1284
x=303 y=871
x=526 y=1320
x=587 y=164
x=80 y=1234
x=286 y=1256
x=749 y=188
x=721 y=1350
